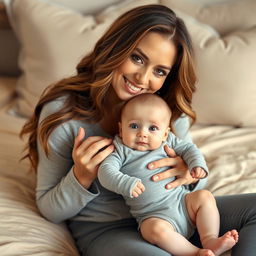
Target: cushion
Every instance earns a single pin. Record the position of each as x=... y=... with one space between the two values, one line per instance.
x=53 y=40
x=226 y=88
x=9 y=49
x=7 y=89
x=224 y=16
x=85 y=7
x=9 y=46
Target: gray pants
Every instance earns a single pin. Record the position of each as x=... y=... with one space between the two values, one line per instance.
x=121 y=238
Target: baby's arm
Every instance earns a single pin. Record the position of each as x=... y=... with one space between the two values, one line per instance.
x=198 y=173
x=138 y=189
x=191 y=155
x=111 y=177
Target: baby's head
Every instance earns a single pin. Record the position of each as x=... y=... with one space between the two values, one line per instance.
x=145 y=121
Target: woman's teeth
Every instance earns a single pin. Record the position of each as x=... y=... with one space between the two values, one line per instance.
x=132 y=87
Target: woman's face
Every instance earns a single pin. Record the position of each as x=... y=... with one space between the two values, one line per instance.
x=146 y=68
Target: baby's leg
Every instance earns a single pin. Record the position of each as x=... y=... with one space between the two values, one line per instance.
x=203 y=211
x=161 y=233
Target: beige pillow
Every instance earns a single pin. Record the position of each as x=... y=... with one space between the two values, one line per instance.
x=53 y=40
x=7 y=89
x=226 y=93
x=224 y=16
x=113 y=11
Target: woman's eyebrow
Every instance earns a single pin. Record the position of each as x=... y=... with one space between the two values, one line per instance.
x=142 y=53
x=146 y=58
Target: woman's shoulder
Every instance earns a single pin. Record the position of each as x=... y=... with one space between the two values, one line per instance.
x=70 y=127
x=52 y=107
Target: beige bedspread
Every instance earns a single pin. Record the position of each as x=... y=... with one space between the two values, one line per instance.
x=231 y=156
x=230 y=153
x=22 y=229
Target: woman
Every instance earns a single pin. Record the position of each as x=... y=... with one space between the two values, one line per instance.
x=146 y=50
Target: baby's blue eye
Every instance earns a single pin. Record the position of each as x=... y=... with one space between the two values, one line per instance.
x=134 y=126
x=153 y=128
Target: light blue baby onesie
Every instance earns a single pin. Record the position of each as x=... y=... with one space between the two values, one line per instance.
x=120 y=171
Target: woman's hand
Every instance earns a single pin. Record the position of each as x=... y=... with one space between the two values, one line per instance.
x=87 y=156
x=178 y=169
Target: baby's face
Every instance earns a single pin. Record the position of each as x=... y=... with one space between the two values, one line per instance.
x=144 y=127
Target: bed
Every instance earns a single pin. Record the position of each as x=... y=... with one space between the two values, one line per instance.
x=225 y=100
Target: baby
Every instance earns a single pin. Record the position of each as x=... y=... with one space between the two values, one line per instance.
x=166 y=218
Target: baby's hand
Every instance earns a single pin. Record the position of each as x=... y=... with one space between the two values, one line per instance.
x=138 y=189
x=198 y=173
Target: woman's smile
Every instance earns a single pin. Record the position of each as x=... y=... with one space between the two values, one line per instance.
x=131 y=87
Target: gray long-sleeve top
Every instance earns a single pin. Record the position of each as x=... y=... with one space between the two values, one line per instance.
x=58 y=193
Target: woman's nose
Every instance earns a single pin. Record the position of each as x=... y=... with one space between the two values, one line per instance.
x=142 y=76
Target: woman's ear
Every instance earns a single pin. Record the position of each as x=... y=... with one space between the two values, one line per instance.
x=120 y=129
x=166 y=133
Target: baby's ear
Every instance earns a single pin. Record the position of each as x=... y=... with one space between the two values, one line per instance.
x=166 y=134
x=120 y=129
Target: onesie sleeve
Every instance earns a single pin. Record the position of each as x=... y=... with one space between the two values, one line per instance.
x=111 y=177
x=189 y=152
x=59 y=195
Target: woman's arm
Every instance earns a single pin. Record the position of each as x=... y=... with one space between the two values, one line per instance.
x=61 y=191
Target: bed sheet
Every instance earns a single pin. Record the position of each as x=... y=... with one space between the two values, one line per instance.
x=231 y=156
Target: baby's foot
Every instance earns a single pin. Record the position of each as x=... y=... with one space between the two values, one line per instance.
x=223 y=243
x=205 y=252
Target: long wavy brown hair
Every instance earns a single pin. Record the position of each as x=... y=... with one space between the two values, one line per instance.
x=85 y=91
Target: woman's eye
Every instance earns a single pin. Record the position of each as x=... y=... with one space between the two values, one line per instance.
x=136 y=58
x=153 y=128
x=160 y=72
x=134 y=126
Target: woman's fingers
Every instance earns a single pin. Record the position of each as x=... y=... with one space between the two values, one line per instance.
x=183 y=179
x=165 y=175
x=92 y=146
x=86 y=149
x=169 y=151
x=98 y=158
x=178 y=182
x=170 y=161
x=79 y=138
x=162 y=163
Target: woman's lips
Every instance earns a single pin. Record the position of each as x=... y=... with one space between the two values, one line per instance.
x=133 y=89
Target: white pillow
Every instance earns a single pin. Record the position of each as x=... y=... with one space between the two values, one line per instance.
x=226 y=89
x=53 y=40
x=225 y=16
